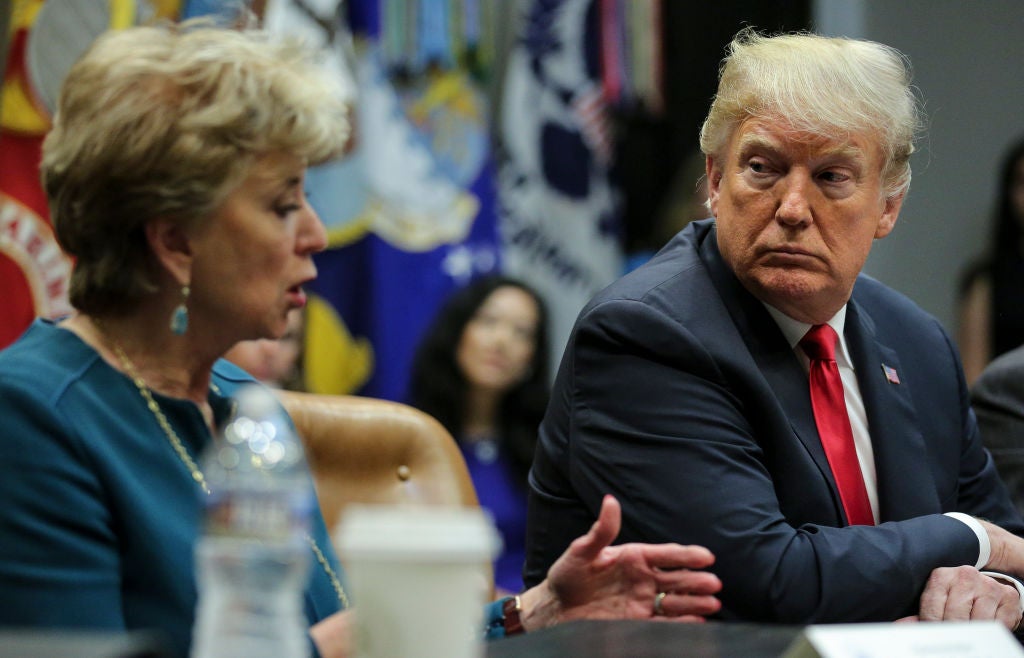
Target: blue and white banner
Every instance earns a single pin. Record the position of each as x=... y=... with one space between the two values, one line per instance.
x=560 y=211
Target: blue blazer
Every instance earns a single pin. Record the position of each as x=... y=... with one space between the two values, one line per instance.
x=679 y=394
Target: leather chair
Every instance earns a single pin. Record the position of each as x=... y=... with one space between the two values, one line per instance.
x=364 y=450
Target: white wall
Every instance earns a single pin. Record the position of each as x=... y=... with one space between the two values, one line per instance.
x=968 y=59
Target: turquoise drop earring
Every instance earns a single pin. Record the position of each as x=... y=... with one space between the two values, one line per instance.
x=179 y=318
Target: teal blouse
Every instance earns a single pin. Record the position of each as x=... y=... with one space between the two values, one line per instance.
x=98 y=515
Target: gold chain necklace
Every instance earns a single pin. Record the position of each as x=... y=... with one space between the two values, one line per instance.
x=197 y=475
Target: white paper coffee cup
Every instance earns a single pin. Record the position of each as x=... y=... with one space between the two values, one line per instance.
x=418 y=577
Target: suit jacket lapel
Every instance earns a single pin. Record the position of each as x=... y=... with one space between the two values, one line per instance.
x=774 y=358
x=895 y=434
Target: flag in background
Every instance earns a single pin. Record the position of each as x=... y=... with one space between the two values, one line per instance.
x=33 y=270
x=45 y=40
x=410 y=211
x=428 y=221
x=560 y=209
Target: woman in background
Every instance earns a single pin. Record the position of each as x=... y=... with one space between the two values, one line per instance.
x=991 y=301
x=481 y=370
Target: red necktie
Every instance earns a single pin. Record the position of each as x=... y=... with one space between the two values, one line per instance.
x=834 y=424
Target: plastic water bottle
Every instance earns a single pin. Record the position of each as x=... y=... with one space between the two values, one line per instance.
x=253 y=559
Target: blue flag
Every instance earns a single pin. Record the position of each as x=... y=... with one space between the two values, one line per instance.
x=411 y=216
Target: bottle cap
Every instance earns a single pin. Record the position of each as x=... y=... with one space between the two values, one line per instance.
x=259 y=437
x=255 y=401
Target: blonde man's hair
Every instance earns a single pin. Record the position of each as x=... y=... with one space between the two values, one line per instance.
x=165 y=122
x=833 y=87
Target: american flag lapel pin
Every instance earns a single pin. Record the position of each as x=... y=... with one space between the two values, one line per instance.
x=890 y=374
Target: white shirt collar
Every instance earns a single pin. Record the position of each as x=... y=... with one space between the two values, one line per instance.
x=794 y=330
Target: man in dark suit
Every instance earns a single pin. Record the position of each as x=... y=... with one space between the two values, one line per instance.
x=998 y=401
x=685 y=387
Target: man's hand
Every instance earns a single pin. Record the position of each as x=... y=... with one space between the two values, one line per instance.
x=593 y=580
x=1007 y=550
x=965 y=594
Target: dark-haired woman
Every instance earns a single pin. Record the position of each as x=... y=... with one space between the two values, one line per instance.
x=481 y=370
x=991 y=302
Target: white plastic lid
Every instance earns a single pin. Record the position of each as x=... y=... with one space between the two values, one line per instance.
x=417 y=533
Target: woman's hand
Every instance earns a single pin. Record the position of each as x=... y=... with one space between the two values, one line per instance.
x=593 y=580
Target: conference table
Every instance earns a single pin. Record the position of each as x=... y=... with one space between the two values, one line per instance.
x=593 y=639
x=648 y=639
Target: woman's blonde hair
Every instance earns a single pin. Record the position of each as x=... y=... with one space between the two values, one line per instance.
x=834 y=87
x=165 y=122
